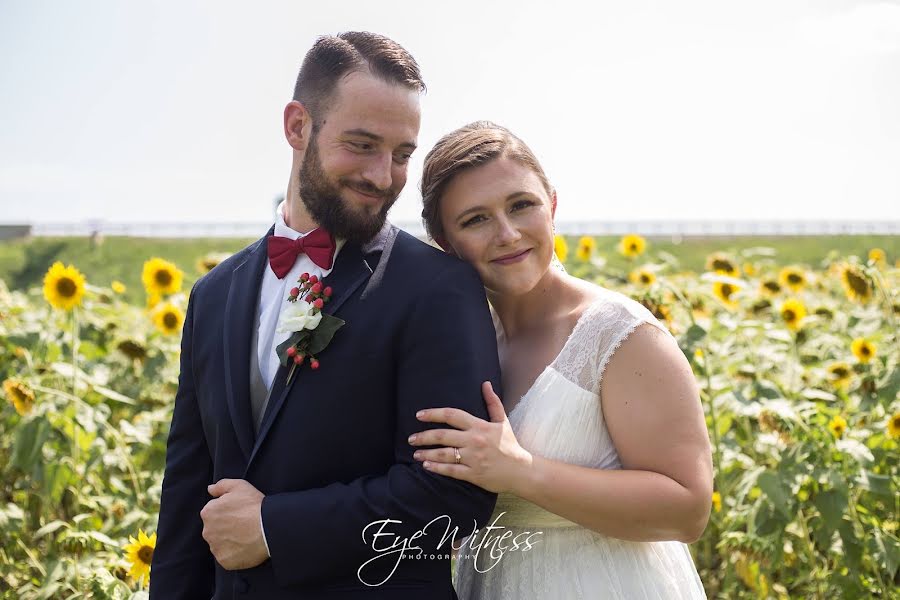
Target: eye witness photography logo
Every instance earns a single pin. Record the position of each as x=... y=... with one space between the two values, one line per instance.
x=485 y=547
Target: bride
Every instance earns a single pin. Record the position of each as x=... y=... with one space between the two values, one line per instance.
x=601 y=443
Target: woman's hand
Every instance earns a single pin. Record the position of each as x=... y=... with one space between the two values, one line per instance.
x=480 y=452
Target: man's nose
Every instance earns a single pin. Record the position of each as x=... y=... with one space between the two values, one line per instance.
x=378 y=172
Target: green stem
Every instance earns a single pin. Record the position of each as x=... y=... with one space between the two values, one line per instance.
x=717 y=455
x=75 y=384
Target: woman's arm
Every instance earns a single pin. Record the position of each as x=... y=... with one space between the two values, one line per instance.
x=652 y=410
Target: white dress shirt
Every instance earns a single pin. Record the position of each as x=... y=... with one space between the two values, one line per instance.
x=273 y=293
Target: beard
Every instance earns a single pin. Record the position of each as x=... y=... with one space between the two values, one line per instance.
x=322 y=199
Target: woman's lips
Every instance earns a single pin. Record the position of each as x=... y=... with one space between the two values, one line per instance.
x=514 y=258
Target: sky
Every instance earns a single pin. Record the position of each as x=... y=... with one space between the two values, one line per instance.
x=172 y=111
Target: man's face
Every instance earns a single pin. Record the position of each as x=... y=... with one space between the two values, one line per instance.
x=355 y=166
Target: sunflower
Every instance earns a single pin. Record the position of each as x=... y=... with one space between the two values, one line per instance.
x=793 y=312
x=750 y=269
x=837 y=426
x=839 y=374
x=792 y=278
x=161 y=277
x=725 y=291
x=140 y=554
x=878 y=256
x=560 y=247
x=585 y=249
x=769 y=287
x=893 y=425
x=862 y=349
x=20 y=395
x=64 y=286
x=642 y=276
x=659 y=310
x=132 y=349
x=632 y=245
x=210 y=261
x=153 y=300
x=168 y=318
x=118 y=287
x=855 y=284
x=720 y=263
x=717 y=501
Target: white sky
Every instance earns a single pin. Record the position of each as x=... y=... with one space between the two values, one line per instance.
x=171 y=111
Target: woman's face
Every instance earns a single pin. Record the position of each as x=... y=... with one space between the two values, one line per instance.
x=498 y=217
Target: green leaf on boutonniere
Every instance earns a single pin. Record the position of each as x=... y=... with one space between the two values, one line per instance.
x=281 y=350
x=322 y=334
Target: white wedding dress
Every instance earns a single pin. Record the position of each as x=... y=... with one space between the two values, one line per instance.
x=560 y=418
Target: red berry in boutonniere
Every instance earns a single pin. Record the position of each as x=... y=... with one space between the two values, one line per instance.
x=311 y=329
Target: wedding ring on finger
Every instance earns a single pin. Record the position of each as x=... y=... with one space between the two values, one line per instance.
x=458 y=457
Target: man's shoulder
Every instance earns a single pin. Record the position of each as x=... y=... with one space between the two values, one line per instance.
x=221 y=273
x=412 y=256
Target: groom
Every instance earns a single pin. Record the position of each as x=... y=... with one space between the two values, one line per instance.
x=271 y=481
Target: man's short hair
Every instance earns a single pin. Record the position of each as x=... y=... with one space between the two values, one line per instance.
x=333 y=57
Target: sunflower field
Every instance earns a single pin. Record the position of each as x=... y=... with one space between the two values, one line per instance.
x=797 y=366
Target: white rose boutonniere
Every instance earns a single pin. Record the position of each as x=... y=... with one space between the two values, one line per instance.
x=312 y=329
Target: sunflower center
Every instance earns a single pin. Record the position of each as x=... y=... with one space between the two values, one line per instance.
x=772 y=286
x=722 y=265
x=865 y=351
x=795 y=278
x=66 y=287
x=896 y=422
x=645 y=278
x=633 y=247
x=170 y=320
x=145 y=554
x=163 y=277
x=789 y=315
x=840 y=372
x=727 y=290
x=857 y=283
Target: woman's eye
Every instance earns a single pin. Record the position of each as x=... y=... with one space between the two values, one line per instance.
x=522 y=204
x=473 y=220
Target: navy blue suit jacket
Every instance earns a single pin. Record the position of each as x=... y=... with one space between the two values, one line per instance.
x=332 y=454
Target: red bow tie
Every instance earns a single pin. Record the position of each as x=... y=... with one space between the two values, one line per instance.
x=318 y=245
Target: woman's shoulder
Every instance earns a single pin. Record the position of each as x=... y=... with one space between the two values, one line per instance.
x=605 y=304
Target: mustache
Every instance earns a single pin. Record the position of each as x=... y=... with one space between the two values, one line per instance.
x=367 y=188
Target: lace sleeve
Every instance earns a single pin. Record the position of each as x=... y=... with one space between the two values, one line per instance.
x=600 y=331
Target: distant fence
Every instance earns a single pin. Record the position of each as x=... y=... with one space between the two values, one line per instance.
x=645 y=227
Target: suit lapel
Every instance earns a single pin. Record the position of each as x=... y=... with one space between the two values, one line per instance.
x=243 y=296
x=350 y=271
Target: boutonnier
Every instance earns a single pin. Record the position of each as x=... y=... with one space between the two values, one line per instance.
x=311 y=329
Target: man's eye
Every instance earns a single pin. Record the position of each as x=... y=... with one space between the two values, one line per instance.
x=362 y=146
x=402 y=158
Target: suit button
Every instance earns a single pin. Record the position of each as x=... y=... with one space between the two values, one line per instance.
x=241 y=585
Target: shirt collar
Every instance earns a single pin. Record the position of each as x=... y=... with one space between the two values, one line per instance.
x=281 y=228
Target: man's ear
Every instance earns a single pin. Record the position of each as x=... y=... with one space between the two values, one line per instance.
x=297 y=125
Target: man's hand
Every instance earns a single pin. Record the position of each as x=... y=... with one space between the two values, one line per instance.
x=231 y=524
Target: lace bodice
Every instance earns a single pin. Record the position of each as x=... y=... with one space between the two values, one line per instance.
x=561 y=418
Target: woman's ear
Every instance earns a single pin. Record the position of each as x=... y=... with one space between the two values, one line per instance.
x=444 y=244
x=553 y=205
